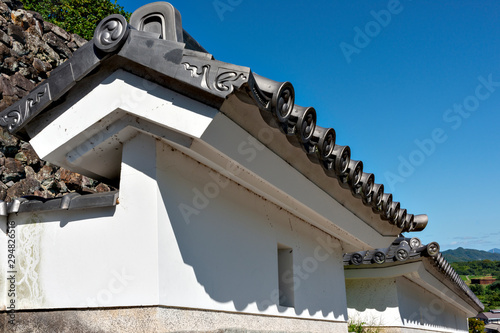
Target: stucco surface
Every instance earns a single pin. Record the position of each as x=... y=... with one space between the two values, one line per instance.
x=158 y=319
x=143 y=252
x=400 y=305
x=373 y=302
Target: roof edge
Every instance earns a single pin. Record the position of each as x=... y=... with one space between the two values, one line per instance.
x=404 y=250
x=199 y=76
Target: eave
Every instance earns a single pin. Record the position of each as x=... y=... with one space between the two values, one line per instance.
x=255 y=103
x=423 y=264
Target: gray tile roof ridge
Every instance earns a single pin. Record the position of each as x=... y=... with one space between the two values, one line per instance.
x=492 y=315
x=70 y=201
x=401 y=250
x=404 y=250
x=198 y=75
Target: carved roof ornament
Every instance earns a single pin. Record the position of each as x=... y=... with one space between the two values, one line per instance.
x=22 y=111
x=154 y=42
x=402 y=249
x=111 y=33
x=160 y=18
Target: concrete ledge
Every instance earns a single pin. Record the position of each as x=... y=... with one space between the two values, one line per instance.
x=157 y=319
x=394 y=329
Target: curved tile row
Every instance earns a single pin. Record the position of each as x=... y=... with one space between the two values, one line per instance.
x=444 y=267
x=275 y=100
x=404 y=249
x=276 y=104
x=70 y=201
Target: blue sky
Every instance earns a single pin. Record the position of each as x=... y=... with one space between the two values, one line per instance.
x=413 y=87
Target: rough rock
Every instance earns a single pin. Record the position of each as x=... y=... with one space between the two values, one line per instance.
x=21 y=82
x=10 y=64
x=6 y=87
x=78 y=40
x=27 y=156
x=22 y=188
x=102 y=188
x=45 y=173
x=61 y=33
x=57 y=44
x=72 y=179
x=4 y=38
x=29 y=49
x=16 y=32
x=41 y=66
x=12 y=170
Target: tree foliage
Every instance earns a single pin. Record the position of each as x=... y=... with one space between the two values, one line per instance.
x=489 y=295
x=476 y=325
x=477 y=267
x=75 y=16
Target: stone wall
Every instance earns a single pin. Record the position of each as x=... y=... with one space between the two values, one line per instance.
x=164 y=319
x=29 y=49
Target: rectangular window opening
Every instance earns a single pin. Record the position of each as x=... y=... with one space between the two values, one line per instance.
x=285 y=276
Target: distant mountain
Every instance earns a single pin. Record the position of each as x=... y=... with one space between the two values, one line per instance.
x=462 y=254
x=495 y=250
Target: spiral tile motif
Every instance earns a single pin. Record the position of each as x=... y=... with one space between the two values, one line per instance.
x=111 y=33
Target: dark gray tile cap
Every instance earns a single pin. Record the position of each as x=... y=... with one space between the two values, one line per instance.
x=71 y=201
x=409 y=250
x=155 y=46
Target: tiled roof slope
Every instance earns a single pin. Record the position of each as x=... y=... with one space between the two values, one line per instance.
x=29 y=49
x=71 y=201
x=404 y=250
x=492 y=314
x=163 y=57
x=401 y=250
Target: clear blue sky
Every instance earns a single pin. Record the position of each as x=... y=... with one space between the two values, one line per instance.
x=413 y=87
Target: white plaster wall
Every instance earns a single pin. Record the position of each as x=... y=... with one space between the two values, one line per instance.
x=420 y=308
x=121 y=91
x=142 y=252
x=114 y=107
x=96 y=257
x=373 y=301
x=399 y=302
x=230 y=139
x=122 y=103
x=218 y=247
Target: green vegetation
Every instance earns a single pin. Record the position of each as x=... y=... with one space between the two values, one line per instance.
x=489 y=295
x=75 y=16
x=358 y=326
x=476 y=325
x=462 y=254
x=478 y=268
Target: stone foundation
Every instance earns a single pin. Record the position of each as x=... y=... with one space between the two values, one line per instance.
x=393 y=329
x=157 y=319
